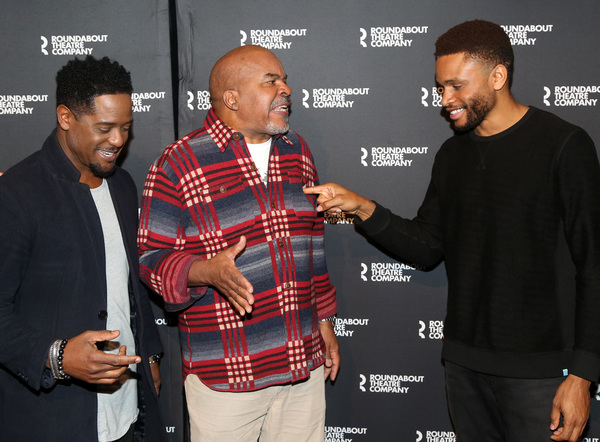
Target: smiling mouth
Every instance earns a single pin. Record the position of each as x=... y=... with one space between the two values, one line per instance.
x=456 y=113
x=108 y=155
x=283 y=108
x=282 y=105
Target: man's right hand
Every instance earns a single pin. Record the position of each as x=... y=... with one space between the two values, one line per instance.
x=221 y=273
x=335 y=198
x=82 y=359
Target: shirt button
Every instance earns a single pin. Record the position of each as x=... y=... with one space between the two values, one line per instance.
x=223 y=189
x=236 y=136
x=287 y=285
x=253 y=166
x=273 y=206
x=102 y=314
x=281 y=244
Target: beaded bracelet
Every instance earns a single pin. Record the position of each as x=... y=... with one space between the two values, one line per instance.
x=55 y=357
x=155 y=358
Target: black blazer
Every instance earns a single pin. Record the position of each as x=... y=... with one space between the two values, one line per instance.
x=53 y=286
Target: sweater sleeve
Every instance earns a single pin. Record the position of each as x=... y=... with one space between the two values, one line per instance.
x=578 y=190
x=416 y=241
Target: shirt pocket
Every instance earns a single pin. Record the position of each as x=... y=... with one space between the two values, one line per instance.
x=228 y=204
x=298 y=205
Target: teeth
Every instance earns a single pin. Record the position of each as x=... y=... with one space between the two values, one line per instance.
x=454 y=112
x=108 y=154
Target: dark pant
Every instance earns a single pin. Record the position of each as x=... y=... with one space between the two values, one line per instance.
x=486 y=408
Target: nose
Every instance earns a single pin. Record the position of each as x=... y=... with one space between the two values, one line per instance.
x=117 y=138
x=447 y=98
x=285 y=89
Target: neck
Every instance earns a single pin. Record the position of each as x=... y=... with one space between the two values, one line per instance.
x=506 y=113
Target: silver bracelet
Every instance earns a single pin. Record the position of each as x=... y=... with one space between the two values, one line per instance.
x=55 y=357
x=329 y=318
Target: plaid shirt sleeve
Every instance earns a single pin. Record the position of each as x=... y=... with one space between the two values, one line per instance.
x=164 y=264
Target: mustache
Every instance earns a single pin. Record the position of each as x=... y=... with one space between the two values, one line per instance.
x=283 y=100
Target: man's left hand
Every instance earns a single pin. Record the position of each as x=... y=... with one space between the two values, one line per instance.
x=572 y=401
x=332 y=358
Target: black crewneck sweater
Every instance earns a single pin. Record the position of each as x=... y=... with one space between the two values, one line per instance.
x=516 y=218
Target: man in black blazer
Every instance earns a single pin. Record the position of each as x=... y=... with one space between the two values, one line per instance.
x=79 y=344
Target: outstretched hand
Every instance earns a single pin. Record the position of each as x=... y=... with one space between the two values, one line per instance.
x=84 y=361
x=335 y=198
x=222 y=273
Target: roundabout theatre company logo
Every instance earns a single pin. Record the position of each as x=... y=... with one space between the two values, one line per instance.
x=71 y=44
x=435 y=436
x=345 y=434
x=525 y=35
x=386 y=272
x=391 y=156
x=142 y=101
x=18 y=104
x=333 y=97
x=388 y=383
x=271 y=38
x=390 y=36
x=571 y=96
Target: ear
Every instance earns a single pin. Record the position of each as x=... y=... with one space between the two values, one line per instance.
x=65 y=117
x=499 y=77
x=230 y=98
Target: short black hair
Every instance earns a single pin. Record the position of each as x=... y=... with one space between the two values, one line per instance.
x=79 y=82
x=480 y=40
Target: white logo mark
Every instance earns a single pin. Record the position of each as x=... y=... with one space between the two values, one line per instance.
x=363 y=381
x=364 y=271
x=190 y=100
x=305 y=98
x=424 y=97
x=44 y=45
x=547 y=95
x=363 y=36
x=365 y=154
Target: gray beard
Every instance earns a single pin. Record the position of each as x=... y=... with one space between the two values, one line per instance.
x=274 y=130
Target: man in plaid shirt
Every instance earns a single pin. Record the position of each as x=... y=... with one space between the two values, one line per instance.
x=229 y=240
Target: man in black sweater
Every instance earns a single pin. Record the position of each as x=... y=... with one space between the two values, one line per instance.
x=513 y=208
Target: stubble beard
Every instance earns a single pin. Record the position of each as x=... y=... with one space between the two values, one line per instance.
x=477 y=110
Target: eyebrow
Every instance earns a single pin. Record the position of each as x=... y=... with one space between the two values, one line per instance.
x=111 y=123
x=450 y=81
x=275 y=76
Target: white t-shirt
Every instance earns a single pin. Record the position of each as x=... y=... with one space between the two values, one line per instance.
x=117 y=403
x=260 y=154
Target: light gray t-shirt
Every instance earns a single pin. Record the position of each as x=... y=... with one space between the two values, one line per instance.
x=117 y=403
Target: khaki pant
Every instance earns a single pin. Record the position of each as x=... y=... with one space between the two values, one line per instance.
x=290 y=413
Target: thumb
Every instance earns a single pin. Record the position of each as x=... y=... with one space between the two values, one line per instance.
x=239 y=247
x=554 y=418
x=103 y=335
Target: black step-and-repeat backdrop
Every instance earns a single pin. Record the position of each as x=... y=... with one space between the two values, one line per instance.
x=362 y=75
